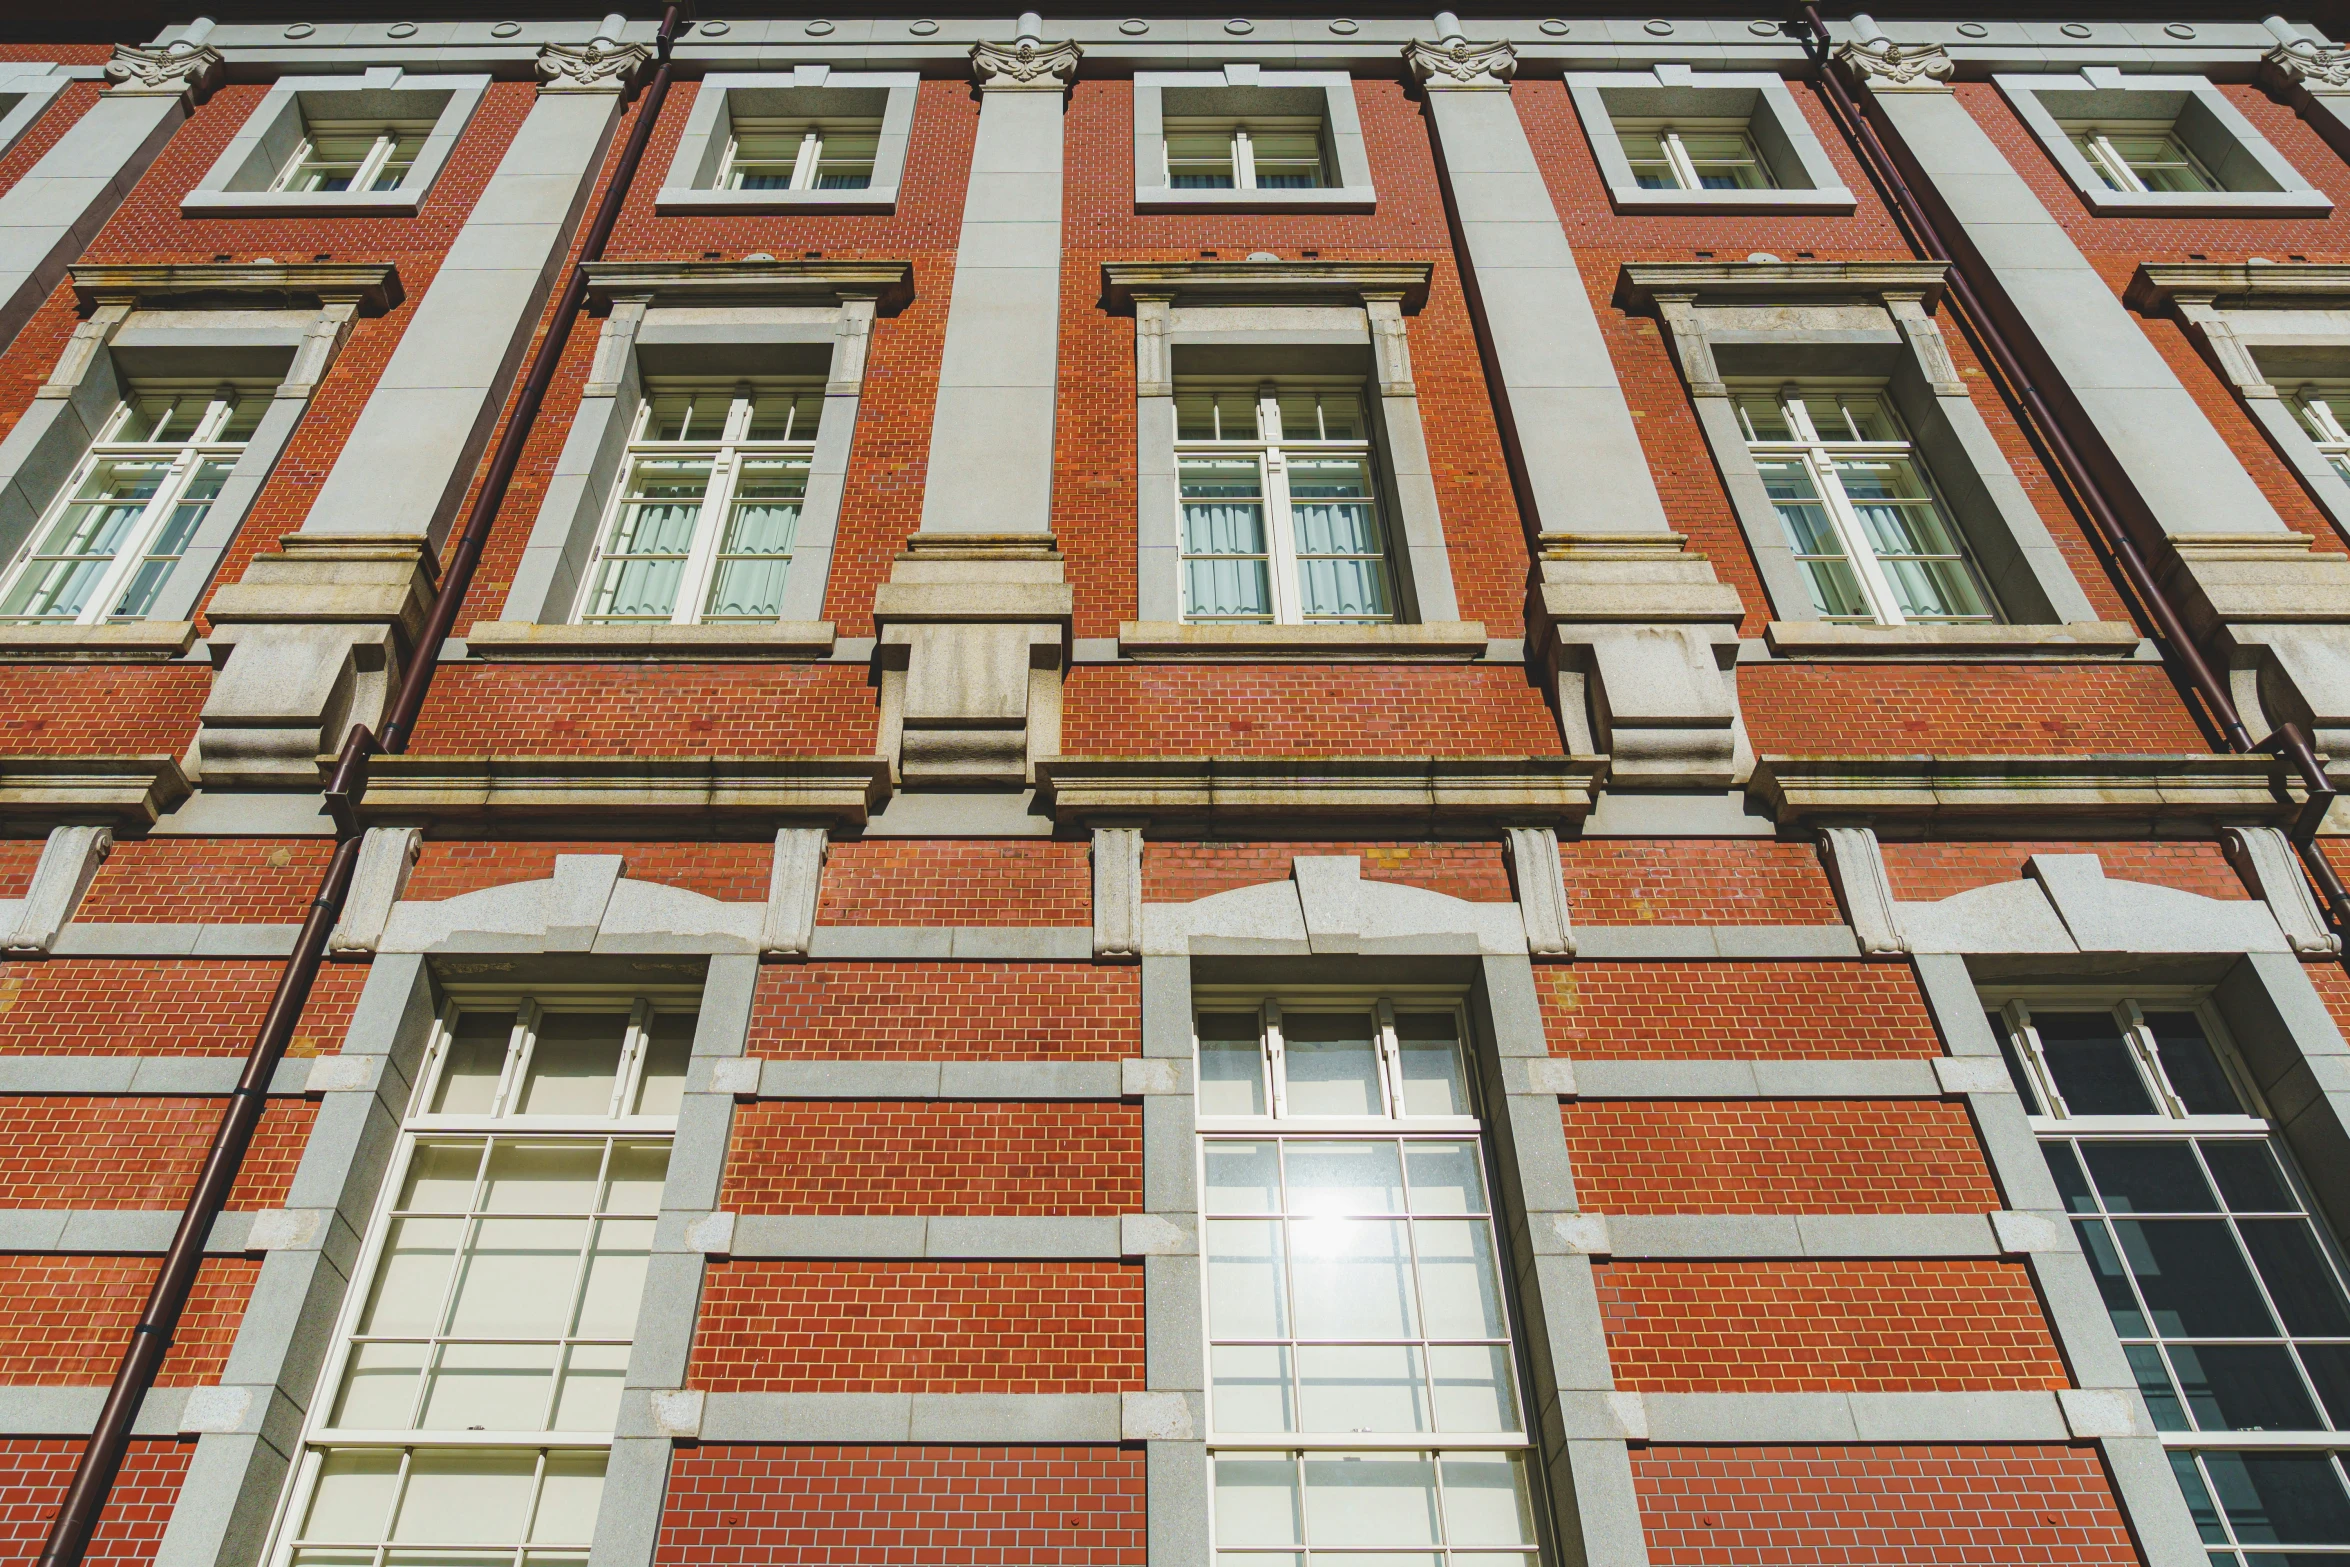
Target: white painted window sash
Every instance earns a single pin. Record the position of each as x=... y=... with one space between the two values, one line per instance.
x=370 y=167
x=1819 y=458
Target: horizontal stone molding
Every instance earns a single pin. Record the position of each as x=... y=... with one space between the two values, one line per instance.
x=148 y=1075
x=1439 y=791
x=123 y=791
x=749 y=282
x=1715 y=941
x=675 y=791
x=980 y=1418
x=73 y=1411
x=1639 y=283
x=1805 y=1418
x=1820 y=1235
x=1762 y=1079
x=375 y=285
x=130 y=642
x=1827 y=639
x=2120 y=793
x=975 y=943
x=1174 y=641
x=119 y=1232
x=719 y=644
x=175 y=941
x=914 y=1079
x=919 y=1237
x=1253 y=280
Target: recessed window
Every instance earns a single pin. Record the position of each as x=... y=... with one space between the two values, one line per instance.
x=1270 y=154
x=467 y=1406
x=704 y=519
x=1700 y=155
x=1281 y=515
x=354 y=155
x=122 y=524
x=1860 y=512
x=2222 y=1283
x=768 y=154
x=1362 y=1390
x=2324 y=410
x=2141 y=156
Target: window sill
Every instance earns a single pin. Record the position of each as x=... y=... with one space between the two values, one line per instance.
x=528 y=640
x=2207 y=203
x=1342 y=198
x=132 y=642
x=686 y=201
x=1454 y=641
x=1827 y=639
x=401 y=203
x=1638 y=198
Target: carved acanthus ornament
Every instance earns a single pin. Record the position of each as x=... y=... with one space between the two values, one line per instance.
x=1458 y=63
x=2317 y=67
x=1882 y=65
x=597 y=66
x=174 y=68
x=1027 y=65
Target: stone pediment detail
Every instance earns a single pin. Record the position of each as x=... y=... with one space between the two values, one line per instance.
x=588 y=905
x=2065 y=903
x=1327 y=907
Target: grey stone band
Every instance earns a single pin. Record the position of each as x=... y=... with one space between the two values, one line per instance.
x=1715 y=941
x=73 y=1411
x=983 y=943
x=156 y=1075
x=1719 y=1418
x=916 y=1079
x=915 y=1236
x=124 y=1232
x=1866 y=1079
x=175 y=941
x=1628 y=1237
x=906 y=1417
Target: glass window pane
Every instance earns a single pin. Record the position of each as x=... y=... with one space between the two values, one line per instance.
x=2194 y=1278
x=1332 y=1065
x=1242 y=1177
x=633 y=1183
x=2248 y=1176
x=2113 y=1283
x=379 y=1387
x=1350 y=1177
x=2299 y=1278
x=590 y=1396
x=573 y=1063
x=1250 y=1385
x=1257 y=1499
x=543 y=1177
x=413 y=1276
x=441 y=1176
x=353 y=1497
x=2242 y=1387
x=464 y=1497
x=518 y=1279
x=2065 y=1166
x=568 y=1494
x=1349 y=1388
x=1352 y=1279
x=1371 y=1499
x=1446 y=1177
x=2329 y=1369
x=669 y=1045
x=2199 y=1503
x=2090 y=1063
x=2281 y=1498
x=1231 y=1064
x=1433 y=1080
x=1245 y=1270
x=2191 y=1065
x=482 y=1387
x=1486 y=1500
x=1460 y=1290
x=2154 y=1381
x=476 y=1056
x=1473 y=1391
x=2140 y=1177
x=615 y=1279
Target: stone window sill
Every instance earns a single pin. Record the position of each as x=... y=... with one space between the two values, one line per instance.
x=1342 y=198
x=137 y=641
x=527 y=640
x=1825 y=639
x=1456 y=641
x=2209 y=203
x=1639 y=198
x=402 y=203
x=687 y=201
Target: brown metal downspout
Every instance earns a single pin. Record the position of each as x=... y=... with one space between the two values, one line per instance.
x=94 y=1474
x=2057 y=441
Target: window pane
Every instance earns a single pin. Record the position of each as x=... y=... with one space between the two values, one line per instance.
x=2154 y=1381
x=786 y=415
x=64 y=569
x=1795 y=495
x=1257 y=1499
x=616 y=1278
x=1371 y=1499
x=476 y=1057
x=518 y=1278
x=2299 y=1278
x=1485 y=1500
x=2329 y=1369
x=1243 y=1177
x=464 y=1498
x=568 y=1495
x=353 y=1497
x=1227 y=571
x=1445 y=1177
x=2248 y=1176
x=441 y=1176
x=1231 y=1064
x=2199 y=1503
x=1333 y=1067
x=661 y=1084
x=2090 y=1063
x=1353 y=1279
x=1460 y=1291
x=1374 y=1388
x=1326 y=1177
x=413 y=1276
x=483 y=1387
x=2149 y=1178
x=1342 y=561
x=1250 y=1384
x=2113 y=1284
x=1645 y=151
x=1433 y=1081
x=2065 y=1167
x=1245 y=1269
x=2242 y=1387
x=633 y=1183
x=573 y=1063
x=2194 y=1278
x=590 y=1397
x=2281 y=1498
x=2190 y=1064
x=1473 y=1392
x=1200 y=160
x=543 y=1177
x=379 y=1387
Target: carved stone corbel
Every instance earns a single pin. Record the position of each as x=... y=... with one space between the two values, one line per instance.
x=140 y=72
x=1025 y=65
x=1455 y=64
x=599 y=65
x=1881 y=65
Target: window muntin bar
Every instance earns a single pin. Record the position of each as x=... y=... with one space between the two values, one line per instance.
x=1261 y=154
x=1861 y=516
x=1694 y=155
x=704 y=520
x=1281 y=515
x=339 y=155
x=2226 y=1291
x=122 y=523
x=774 y=154
x=2141 y=156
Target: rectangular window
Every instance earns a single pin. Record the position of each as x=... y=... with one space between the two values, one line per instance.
x=2223 y=1285
x=1861 y=514
x=1266 y=154
x=709 y=501
x=1362 y=1388
x=1694 y=155
x=1281 y=518
x=468 y=1403
x=121 y=524
x=354 y=155
x=771 y=154
x=2323 y=410
x=2141 y=155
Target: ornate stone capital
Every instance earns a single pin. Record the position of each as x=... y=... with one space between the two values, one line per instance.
x=1025 y=66
x=596 y=66
x=2316 y=67
x=1881 y=65
x=173 y=69
x=1458 y=63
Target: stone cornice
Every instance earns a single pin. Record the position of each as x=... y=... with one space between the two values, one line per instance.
x=2157 y=286
x=750 y=282
x=375 y=285
x=1456 y=64
x=123 y=791
x=2120 y=794
x=1244 y=280
x=1440 y=791
x=1639 y=283
x=679 y=794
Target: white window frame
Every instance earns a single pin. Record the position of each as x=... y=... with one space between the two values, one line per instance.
x=388 y=136
x=1271 y=450
x=1802 y=177
x=1819 y=457
x=2324 y=425
x=184 y=459
x=1242 y=135
x=1677 y=159
x=1242 y=93
x=696 y=181
x=421 y=1127
x=728 y=456
x=249 y=177
x=2108 y=161
x=808 y=163
x=1281 y=1126
x=2247 y=174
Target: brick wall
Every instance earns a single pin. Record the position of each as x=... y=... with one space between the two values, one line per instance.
x=1182 y=872
x=1734 y=1011
x=69 y=1318
x=59 y=1151
x=1738 y=881
x=18 y=857
x=64 y=710
x=1922 y=872
x=210 y=881
x=1869 y=709
x=1911 y=1326
x=1972 y=1506
x=746 y=1506
x=164 y=1007
x=33 y=1477
x=951 y=1157
x=1304 y=710
x=1776 y=1156
x=648 y=710
x=730 y=872
x=921 y=881
x=919 y=1327
x=958 y=1011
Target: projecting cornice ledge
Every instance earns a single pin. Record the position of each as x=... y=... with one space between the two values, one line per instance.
x=2156 y=287
x=1441 y=791
x=54 y=791
x=750 y=282
x=2134 y=794
x=375 y=286
x=1776 y=282
x=675 y=792
x=1238 y=280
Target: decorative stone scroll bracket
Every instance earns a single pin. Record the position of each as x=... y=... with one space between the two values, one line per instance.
x=1117 y=892
x=1455 y=64
x=69 y=860
x=599 y=65
x=176 y=68
x=1025 y=65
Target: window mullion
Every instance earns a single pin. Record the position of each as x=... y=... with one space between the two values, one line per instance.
x=803 y=171
x=1278 y=1077
x=1856 y=543
x=1244 y=160
x=1281 y=541
x=694 y=581
x=1684 y=171
x=135 y=539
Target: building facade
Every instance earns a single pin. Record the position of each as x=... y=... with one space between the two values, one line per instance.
x=1261 y=787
